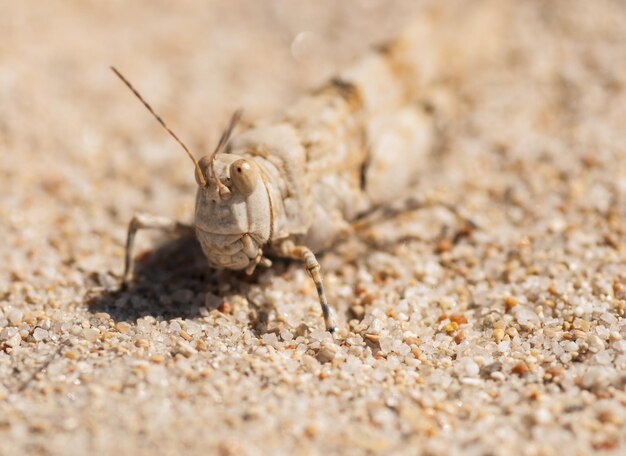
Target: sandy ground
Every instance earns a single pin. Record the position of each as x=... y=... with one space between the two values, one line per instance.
x=505 y=339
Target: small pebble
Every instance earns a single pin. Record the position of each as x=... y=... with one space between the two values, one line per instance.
x=570 y=346
x=143 y=325
x=141 y=343
x=40 y=334
x=14 y=340
x=186 y=348
x=620 y=345
x=595 y=343
x=459 y=319
x=608 y=318
x=325 y=355
x=520 y=369
x=509 y=303
x=123 y=327
x=15 y=317
x=543 y=416
x=471 y=368
x=91 y=334
x=7 y=333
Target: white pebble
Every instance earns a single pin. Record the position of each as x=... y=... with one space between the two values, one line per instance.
x=91 y=334
x=471 y=368
x=543 y=416
x=603 y=331
x=325 y=355
x=527 y=318
x=570 y=346
x=595 y=343
x=15 y=317
x=603 y=357
x=579 y=311
x=186 y=348
x=382 y=416
x=565 y=358
x=320 y=335
x=608 y=318
x=193 y=327
x=271 y=339
x=620 y=345
x=175 y=327
x=143 y=325
x=40 y=334
x=402 y=349
x=471 y=381
x=14 y=341
x=7 y=333
x=386 y=344
x=375 y=327
x=595 y=376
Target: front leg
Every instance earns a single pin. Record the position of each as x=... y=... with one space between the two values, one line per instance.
x=146 y=221
x=299 y=252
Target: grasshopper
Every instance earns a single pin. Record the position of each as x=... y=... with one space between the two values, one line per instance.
x=291 y=187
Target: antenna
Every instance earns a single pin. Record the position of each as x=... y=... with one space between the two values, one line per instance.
x=158 y=118
x=234 y=119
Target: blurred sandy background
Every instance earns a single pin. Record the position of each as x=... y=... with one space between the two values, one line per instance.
x=507 y=342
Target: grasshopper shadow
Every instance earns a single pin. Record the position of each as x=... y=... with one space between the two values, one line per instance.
x=172 y=281
x=169 y=282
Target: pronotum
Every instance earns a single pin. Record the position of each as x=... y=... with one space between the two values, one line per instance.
x=291 y=186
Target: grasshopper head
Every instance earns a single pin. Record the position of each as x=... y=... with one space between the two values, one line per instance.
x=233 y=211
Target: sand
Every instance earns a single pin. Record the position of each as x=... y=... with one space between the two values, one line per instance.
x=507 y=338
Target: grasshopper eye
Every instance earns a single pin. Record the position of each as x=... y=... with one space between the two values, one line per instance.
x=244 y=175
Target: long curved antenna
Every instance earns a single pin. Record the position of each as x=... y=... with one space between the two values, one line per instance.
x=158 y=118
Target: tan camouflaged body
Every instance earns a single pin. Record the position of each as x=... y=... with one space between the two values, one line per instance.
x=356 y=143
